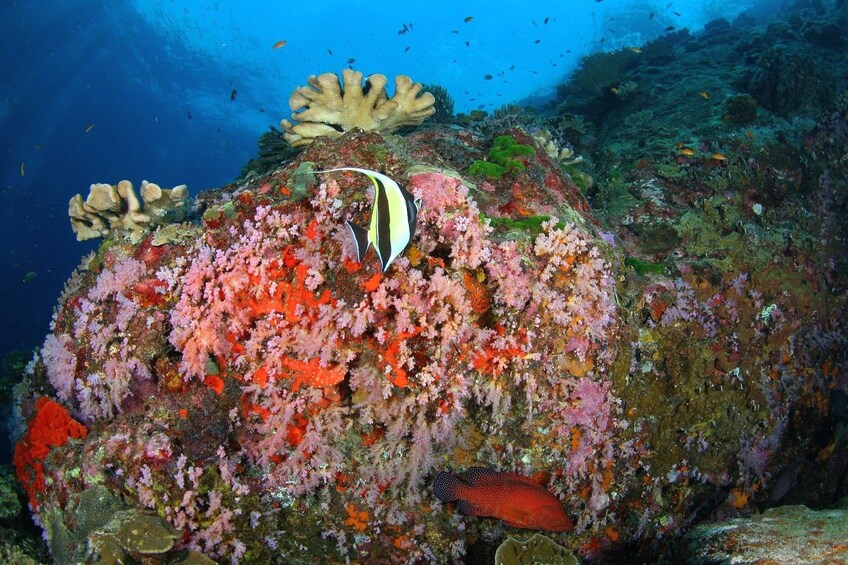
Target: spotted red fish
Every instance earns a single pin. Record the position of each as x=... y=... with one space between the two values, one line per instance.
x=517 y=500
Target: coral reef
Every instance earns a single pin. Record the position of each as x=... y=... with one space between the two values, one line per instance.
x=116 y=210
x=327 y=108
x=472 y=330
x=675 y=354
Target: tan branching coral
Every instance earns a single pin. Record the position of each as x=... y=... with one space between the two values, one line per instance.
x=327 y=108
x=111 y=209
x=566 y=156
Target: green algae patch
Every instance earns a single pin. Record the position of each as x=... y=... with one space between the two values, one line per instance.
x=503 y=158
x=506 y=148
x=179 y=234
x=302 y=181
x=489 y=170
x=644 y=267
x=227 y=210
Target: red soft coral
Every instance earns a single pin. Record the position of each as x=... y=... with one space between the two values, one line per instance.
x=51 y=426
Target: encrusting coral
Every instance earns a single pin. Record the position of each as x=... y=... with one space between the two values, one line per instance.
x=117 y=209
x=328 y=108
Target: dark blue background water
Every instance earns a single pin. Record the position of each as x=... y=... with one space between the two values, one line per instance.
x=65 y=66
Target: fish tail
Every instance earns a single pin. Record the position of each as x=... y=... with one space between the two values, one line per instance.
x=446 y=487
x=360 y=237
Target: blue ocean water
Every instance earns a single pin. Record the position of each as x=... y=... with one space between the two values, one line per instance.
x=179 y=91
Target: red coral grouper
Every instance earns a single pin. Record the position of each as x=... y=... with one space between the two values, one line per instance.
x=517 y=500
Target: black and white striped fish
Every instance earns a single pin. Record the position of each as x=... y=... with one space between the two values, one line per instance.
x=393 y=218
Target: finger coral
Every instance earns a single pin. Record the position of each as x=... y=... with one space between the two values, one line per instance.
x=328 y=108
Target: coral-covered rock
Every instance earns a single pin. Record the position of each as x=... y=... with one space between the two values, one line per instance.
x=331 y=377
x=790 y=534
x=272 y=398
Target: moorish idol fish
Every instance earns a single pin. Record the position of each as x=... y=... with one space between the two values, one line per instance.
x=393 y=218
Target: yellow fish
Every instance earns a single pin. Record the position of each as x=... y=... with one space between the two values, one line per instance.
x=393 y=218
x=718 y=156
x=688 y=151
x=636 y=50
x=704 y=94
x=279 y=44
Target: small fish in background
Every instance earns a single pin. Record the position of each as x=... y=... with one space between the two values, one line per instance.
x=782 y=484
x=393 y=218
x=468 y=19
x=22 y=168
x=718 y=156
x=669 y=28
x=488 y=77
x=688 y=151
x=519 y=501
x=279 y=44
x=30 y=276
x=838 y=406
x=233 y=95
x=651 y=17
x=467 y=44
x=704 y=94
x=405 y=50
x=351 y=61
x=330 y=51
x=676 y=13
x=88 y=128
x=547 y=20
x=537 y=41
x=189 y=114
x=636 y=50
